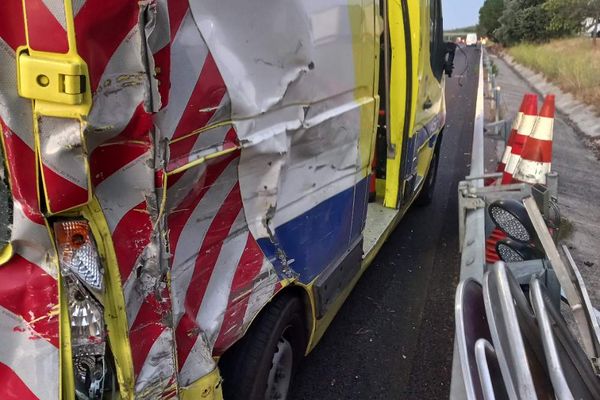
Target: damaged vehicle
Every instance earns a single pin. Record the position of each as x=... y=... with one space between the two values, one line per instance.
x=191 y=189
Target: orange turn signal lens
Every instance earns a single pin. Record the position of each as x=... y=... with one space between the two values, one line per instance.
x=77 y=252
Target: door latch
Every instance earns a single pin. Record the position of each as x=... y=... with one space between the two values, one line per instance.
x=55 y=78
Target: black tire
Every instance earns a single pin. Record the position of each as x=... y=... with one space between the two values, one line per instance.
x=425 y=197
x=246 y=366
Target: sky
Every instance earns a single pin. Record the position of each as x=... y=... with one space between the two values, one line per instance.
x=460 y=13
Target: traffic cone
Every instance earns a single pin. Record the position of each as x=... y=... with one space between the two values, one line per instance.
x=526 y=125
x=536 y=157
x=511 y=138
x=491 y=255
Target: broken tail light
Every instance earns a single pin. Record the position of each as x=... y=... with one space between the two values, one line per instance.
x=83 y=284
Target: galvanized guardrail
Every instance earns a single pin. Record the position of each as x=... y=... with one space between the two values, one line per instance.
x=506 y=345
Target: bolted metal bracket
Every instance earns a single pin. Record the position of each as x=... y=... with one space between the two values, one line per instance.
x=467 y=200
x=58 y=84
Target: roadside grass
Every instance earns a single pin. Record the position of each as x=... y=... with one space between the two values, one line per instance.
x=573 y=64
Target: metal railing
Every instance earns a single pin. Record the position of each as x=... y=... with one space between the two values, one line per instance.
x=497 y=327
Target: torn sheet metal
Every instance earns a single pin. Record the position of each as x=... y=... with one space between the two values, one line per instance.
x=224 y=150
x=64 y=163
x=297 y=119
x=29 y=326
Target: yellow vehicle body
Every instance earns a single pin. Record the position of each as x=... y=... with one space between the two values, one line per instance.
x=389 y=94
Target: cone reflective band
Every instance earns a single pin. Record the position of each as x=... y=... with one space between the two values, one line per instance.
x=526 y=126
x=527 y=99
x=536 y=157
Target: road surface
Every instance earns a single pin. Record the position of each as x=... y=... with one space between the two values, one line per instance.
x=393 y=338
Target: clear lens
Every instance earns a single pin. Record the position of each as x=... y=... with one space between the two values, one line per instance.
x=510 y=224
x=507 y=254
x=87 y=321
x=82 y=281
x=78 y=254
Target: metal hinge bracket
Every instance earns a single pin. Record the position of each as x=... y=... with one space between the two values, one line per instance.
x=59 y=83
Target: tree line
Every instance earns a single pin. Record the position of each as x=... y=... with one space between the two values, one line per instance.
x=513 y=21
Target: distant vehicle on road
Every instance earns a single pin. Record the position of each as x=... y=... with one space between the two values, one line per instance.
x=471 y=39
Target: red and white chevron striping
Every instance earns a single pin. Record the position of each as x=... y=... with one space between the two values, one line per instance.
x=219 y=276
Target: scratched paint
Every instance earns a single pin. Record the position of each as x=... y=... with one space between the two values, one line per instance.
x=216 y=126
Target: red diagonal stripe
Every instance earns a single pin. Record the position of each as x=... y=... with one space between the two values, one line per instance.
x=241 y=288
x=45 y=32
x=62 y=193
x=208 y=92
x=28 y=291
x=185 y=148
x=147 y=327
x=187 y=331
x=130 y=237
x=180 y=216
x=104 y=24
x=12 y=28
x=13 y=388
x=22 y=165
x=177 y=10
x=106 y=160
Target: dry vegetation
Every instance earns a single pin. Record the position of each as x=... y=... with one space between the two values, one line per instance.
x=573 y=64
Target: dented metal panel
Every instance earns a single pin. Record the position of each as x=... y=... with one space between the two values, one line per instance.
x=29 y=324
x=227 y=145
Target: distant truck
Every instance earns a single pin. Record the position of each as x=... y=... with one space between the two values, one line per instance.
x=471 y=39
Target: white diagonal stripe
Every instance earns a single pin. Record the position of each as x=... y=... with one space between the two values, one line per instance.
x=15 y=111
x=122 y=87
x=159 y=365
x=262 y=290
x=193 y=234
x=198 y=363
x=62 y=149
x=214 y=303
x=57 y=8
x=188 y=53
x=32 y=358
x=213 y=306
x=125 y=189
x=32 y=241
x=77 y=5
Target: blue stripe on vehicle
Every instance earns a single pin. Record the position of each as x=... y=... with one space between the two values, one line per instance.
x=320 y=236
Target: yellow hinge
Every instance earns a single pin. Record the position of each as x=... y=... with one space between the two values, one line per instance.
x=59 y=83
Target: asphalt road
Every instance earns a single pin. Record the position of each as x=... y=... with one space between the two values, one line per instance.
x=393 y=337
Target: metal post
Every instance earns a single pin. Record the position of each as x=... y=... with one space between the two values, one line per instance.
x=552 y=183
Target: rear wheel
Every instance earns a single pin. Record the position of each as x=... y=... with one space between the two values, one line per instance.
x=262 y=364
x=426 y=195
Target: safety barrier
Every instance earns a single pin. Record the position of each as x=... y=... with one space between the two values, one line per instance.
x=511 y=340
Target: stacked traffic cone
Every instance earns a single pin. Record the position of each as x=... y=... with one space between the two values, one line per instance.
x=536 y=157
x=491 y=256
x=527 y=99
x=525 y=128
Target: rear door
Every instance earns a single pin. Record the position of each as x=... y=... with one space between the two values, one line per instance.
x=430 y=108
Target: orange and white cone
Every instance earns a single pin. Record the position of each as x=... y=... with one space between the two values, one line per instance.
x=528 y=98
x=536 y=157
x=526 y=125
